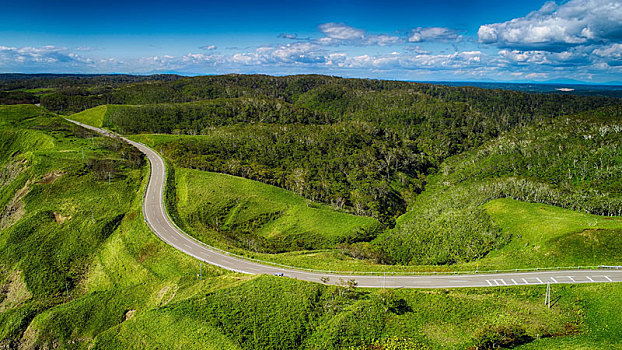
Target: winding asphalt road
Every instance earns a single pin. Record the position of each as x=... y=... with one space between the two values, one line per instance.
x=158 y=220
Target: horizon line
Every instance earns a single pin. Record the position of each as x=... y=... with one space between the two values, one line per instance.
x=192 y=75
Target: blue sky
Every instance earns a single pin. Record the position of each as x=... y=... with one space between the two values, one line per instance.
x=407 y=40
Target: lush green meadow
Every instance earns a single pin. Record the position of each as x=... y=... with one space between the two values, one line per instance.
x=93 y=116
x=268 y=217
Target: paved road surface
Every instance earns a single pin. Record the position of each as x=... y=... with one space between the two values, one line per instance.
x=159 y=222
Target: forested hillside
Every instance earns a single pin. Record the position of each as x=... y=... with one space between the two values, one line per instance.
x=409 y=177
x=362 y=145
x=391 y=150
x=573 y=162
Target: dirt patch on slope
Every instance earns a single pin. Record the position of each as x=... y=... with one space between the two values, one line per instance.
x=166 y=294
x=60 y=218
x=129 y=314
x=14 y=210
x=11 y=171
x=14 y=291
x=29 y=338
x=51 y=177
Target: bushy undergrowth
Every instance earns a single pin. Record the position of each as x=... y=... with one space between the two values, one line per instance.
x=572 y=162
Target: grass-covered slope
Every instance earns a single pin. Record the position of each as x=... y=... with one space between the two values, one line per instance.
x=261 y=217
x=75 y=254
x=95 y=116
x=238 y=212
x=548 y=236
x=80 y=269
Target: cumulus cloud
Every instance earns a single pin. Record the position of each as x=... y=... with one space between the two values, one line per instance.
x=456 y=60
x=433 y=34
x=611 y=54
x=44 y=58
x=296 y=53
x=574 y=57
x=556 y=27
x=342 y=34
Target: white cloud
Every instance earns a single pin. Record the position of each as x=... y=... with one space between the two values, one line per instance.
x=433 y=34
x=457 y=60
x=41 y=56
x=295 y=53
x=556 y=27
x=340 y=31
x=611 y=54
x=574 y=57
x=342 y=34
x=208 y=47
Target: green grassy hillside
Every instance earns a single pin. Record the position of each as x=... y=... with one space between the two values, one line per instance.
x=276 y=219
x=75 y=254
x=545 y=235
x=80 y=269
x=94 y=116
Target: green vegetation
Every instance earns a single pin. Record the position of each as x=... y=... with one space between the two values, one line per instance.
x=361 y=145
x=425 y=158
x=75 y=280
x=350 y=175
x=260 y=217
x=572 y=162
x=93 y=116
x=545 y=235
x=461 y=227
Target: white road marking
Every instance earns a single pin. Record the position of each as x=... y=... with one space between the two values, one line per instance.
x=514 y=281
x=589 y=278
x=524 y=280
x=539 y=280
x=571 y=278
x=608 y=279
x=554 y=280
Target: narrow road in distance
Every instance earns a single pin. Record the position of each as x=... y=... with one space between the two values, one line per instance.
x=158 y=220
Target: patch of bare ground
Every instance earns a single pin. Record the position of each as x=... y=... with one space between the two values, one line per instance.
x=60 y=218
x=51 y=177
x=166 y=294
x=29 y=339
x=14 y=291
x=14 y=210
x=129 y=314
x=11 y=171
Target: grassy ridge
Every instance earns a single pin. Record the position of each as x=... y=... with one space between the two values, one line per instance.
x=236 y=206
x=546 y=235
x=95 y=116
x=77 y=254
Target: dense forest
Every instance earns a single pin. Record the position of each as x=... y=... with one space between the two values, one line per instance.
x=371 y=147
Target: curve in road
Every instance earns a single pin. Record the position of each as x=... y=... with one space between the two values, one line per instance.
x=158 y=220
